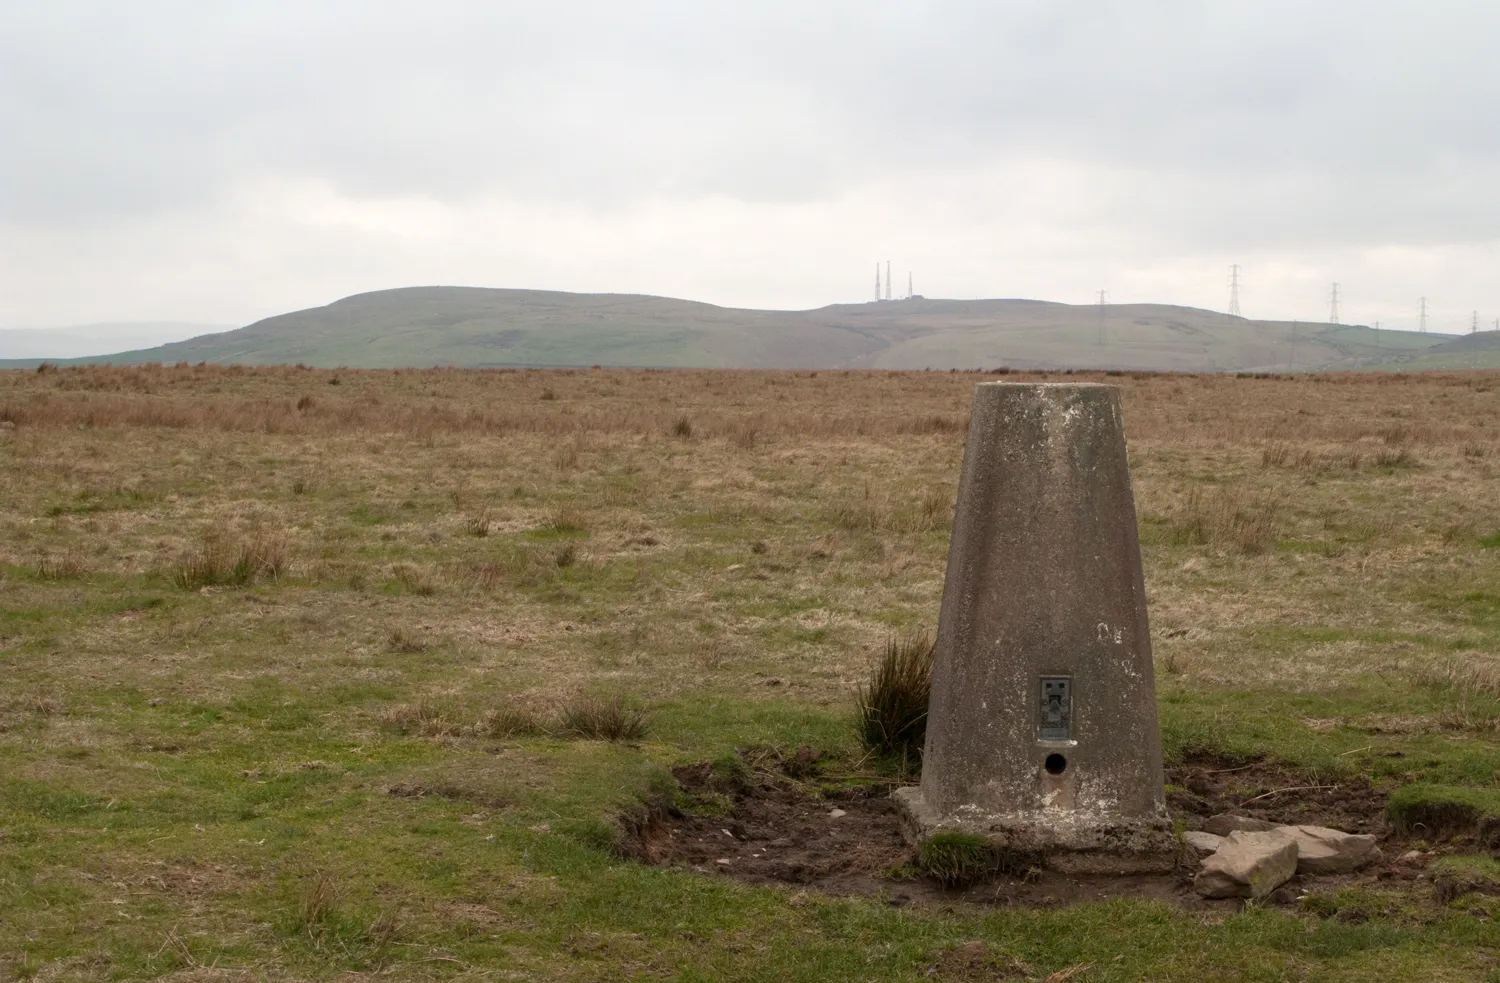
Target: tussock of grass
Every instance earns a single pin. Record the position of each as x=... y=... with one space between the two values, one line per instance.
x=407 y=643
x=1283 y=455
x=318 y=904
x=1226 y=517
x=511 y=721
x=882 y=512
x=479 y=525
x=221 y=559
x=566 y=522
x=422 y=719
x=745 y=434
x=68 y=566
x=960 y=859
x=1393 y=459
x=486 y=575
x=892 y=717
x=604 y=720
x=418 y=580
x=519 y=567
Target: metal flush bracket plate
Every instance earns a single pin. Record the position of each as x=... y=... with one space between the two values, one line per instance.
x=1056 y=720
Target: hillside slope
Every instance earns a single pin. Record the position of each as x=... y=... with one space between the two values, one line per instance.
x=1480 y=350
x=471 y=326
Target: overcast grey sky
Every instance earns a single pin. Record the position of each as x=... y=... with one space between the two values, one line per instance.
x=224 y=161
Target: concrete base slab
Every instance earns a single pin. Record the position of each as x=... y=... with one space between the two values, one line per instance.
x=1072 y=842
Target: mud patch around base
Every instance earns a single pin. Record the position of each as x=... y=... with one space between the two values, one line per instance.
x=800 y=820
x=1206 y=786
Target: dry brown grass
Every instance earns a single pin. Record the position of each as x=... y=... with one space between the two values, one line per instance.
x=879 y=510
x=424 y=719
x=784 y=521
x=433 y=564
x=601 y=719
x=1226 y=516
x=222 y=558
x=511 y=720
x=67 y=566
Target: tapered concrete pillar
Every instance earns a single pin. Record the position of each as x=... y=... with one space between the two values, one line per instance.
x=1042 y=731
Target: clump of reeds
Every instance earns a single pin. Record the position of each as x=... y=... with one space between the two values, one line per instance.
x=604 y=720
x=892 y=711
x=479 y=525
x=222 y=559
x=509 y=720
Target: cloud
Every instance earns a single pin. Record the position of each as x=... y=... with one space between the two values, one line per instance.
x=184 y=156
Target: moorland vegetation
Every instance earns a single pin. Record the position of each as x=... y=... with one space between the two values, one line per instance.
x=314 y=672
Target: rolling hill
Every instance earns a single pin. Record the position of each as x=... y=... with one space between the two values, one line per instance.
x=1480 y=350
x=479 y=327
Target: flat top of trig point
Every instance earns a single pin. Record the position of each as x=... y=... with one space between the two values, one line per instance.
x=1051 y=385
x=1083 y=386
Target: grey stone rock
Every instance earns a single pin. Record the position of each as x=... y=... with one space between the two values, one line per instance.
x=1321 y=850
x=1226 y=823
x=1248 y=865
x=1202 y=843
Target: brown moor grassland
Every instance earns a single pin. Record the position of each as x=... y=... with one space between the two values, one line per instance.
x=283 y=652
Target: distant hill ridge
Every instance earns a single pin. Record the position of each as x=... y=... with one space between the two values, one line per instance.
x=483 y=327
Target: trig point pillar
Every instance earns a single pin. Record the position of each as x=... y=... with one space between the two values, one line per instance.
x=1042 y=732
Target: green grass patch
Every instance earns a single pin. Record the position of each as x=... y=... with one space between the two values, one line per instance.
x=1455 y=876
x=959 y=859
x=364 y=515
x=1436 y=810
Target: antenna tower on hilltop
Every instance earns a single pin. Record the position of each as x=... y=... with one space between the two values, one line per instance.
x=1234 y=291
x=887 y=279
x=877 y=281
x=1333 y=306
x=1102 y=294
x=1422 y=318
x=910 y=293
x=1474 y=324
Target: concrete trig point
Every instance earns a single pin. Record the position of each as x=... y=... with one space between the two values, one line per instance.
x=1042 y=732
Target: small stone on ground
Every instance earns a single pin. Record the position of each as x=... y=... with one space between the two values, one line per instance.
x=1226 y=823
x=1321 y=850
x=1202 y=843
x=1248 y=865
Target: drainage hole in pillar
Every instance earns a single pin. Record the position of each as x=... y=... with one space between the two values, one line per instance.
x=1055 y=764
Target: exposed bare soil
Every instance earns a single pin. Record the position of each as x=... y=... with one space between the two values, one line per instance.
x=825 y=832
x=1206 y=786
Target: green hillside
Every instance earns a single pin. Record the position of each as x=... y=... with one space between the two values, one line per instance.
x=1480 y=350
x=477 y=327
